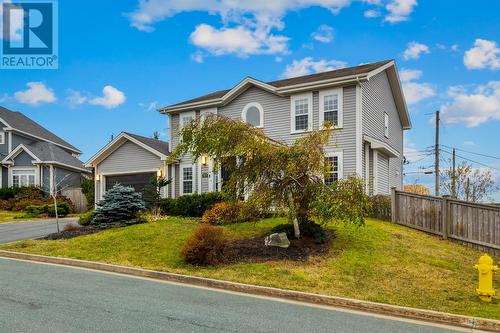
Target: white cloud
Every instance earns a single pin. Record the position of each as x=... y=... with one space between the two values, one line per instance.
x=37 y=93
x=475 y=107
x=76 y=98
x=307 y=65
x=414 y=50
x=241 y=41
x=111 y=98
x=407 y=75
x=399 y=10
x=484 y=54
x=469 y=143
x=324 y=34
x=198 y=57
x=372 y=13
x=151 y=106
x=414 y=91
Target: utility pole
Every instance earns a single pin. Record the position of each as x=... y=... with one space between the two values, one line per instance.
x=453 y=177
x=436 y=158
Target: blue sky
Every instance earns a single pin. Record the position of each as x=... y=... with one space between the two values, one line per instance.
x=119 y=60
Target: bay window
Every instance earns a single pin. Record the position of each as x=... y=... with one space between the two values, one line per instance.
x=23 y=177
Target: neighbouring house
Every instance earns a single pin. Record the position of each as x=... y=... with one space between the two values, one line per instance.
x=365 y=103
x=129 y=160
x=33 y=156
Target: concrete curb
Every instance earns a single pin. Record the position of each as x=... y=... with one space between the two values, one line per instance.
x=353 y=304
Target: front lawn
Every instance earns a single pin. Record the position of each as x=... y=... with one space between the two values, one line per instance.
x=380 y=262
x=10 y=216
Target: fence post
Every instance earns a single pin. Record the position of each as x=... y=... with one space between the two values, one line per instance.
x=393 y=205
x=445 y=217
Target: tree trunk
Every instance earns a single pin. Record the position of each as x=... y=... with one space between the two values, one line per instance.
x=56 y=212
x=293 y=216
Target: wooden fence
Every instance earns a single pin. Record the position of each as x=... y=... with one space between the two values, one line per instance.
x=473 y=224
x=77 y=198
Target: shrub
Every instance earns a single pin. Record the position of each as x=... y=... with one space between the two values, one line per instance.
x=230 y=212
x=71 y=227
x=121 y=206
x=193 y=205
x=88 y=191
x=310 y=229
x=9 y=192
x=380 y=207
x=35 y=210
x=63 y=209
x=86 y=218
x=21 y=204
x=206 y=246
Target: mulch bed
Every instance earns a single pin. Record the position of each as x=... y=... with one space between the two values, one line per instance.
x=254 y=250
x=72 y=233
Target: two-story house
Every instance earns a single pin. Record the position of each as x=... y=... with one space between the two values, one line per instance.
x=365 y=103
x=30 y=155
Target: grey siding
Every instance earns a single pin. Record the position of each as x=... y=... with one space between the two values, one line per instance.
x=19 y=139
x=129 y=157
x=4 y=148
x=66 y=178
x=23 y=159
x=45 y=177
x=383 y=174
x=5 y=177
x=378 y=99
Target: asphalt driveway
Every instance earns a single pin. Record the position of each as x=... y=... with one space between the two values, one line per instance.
x=16 y=231
x=38 y=297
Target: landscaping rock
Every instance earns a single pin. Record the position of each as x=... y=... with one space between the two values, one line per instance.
x=278 y=240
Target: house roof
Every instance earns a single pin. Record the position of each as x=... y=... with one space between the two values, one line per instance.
x=48 y=153
x=19 y=122
x=158 y=147
x=329 y=75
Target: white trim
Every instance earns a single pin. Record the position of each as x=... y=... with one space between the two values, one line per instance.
x=382 y=146
x=340 y=110
x=13 y=154
x=1 y=176
x=198 y=175
x=379 y=69
x=42 y=139
x=174 y=180
x=191 y=114
x=386 y=125
x=129 y=172
x=261 y=113
x=204 y=112
x=10 y=141
x=30 y=168
x=181 y=178
x=375 y=172
x=293 y=98
x=116 y=143
x=340 y=160
x=2 y=138
x=359 y=131
x=51 y=179
x=67 y=166
x=367 y=168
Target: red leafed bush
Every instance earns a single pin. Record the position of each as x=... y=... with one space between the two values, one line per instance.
x=206 y=246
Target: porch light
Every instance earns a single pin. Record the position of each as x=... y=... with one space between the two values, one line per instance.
x=160 y=172
x=204 y=160
x=97 y=177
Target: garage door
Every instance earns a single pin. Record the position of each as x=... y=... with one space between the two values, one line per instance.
x=137 y=180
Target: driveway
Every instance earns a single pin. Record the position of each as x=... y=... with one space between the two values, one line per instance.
x=16 y=231
x=38 y=297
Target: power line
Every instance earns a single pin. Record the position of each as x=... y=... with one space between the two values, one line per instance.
x=476 y=162
x=471 y=152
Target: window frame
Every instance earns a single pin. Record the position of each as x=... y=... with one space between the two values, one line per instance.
x=191 y=114
x=386 y=124
x=2 y=138
x=340 y=108
x=261 y=111
x=32 y=172
x=340 y=162
x=293 y=98
x=182 y=180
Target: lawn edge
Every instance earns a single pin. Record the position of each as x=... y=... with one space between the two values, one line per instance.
x=348 y=303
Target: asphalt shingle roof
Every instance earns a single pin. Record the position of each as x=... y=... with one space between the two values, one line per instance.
x=158 y=145
x=47 y=152
x=337 y=73
x=20 y=122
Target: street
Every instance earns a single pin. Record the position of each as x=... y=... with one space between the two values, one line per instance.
x=16 y=231
x=47 y=298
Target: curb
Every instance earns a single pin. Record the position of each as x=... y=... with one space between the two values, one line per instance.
x=353 y=304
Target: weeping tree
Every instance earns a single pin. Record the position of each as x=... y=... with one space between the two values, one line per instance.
x=271 y=172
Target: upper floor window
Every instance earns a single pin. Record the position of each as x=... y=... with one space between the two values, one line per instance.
x=253 y=114
x=333 y=163
x=186 y=118
x=2 y=138
x=301 y=113
x=386 y=125
x=330 y=107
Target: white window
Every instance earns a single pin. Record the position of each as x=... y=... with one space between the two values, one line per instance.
x=333 y=162
x=253 y=114
x=386 y=125
x=330 y=107
x=301 y=112
x=2 y=138
x=185 y=119
x=23 y=177
x=187 y=179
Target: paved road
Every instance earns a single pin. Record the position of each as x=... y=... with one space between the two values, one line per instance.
x=46 y=298
x=16 y=231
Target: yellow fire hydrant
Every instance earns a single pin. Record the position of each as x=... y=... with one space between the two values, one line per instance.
x=486 y=268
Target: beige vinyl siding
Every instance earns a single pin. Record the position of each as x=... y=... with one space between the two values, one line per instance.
x=378 y=99
x=129 y=158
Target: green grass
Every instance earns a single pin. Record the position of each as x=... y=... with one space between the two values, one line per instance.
x=10 y=216
x=379 y=262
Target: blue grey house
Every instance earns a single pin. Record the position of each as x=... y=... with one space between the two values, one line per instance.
x=365 y=103
x=33 y=156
